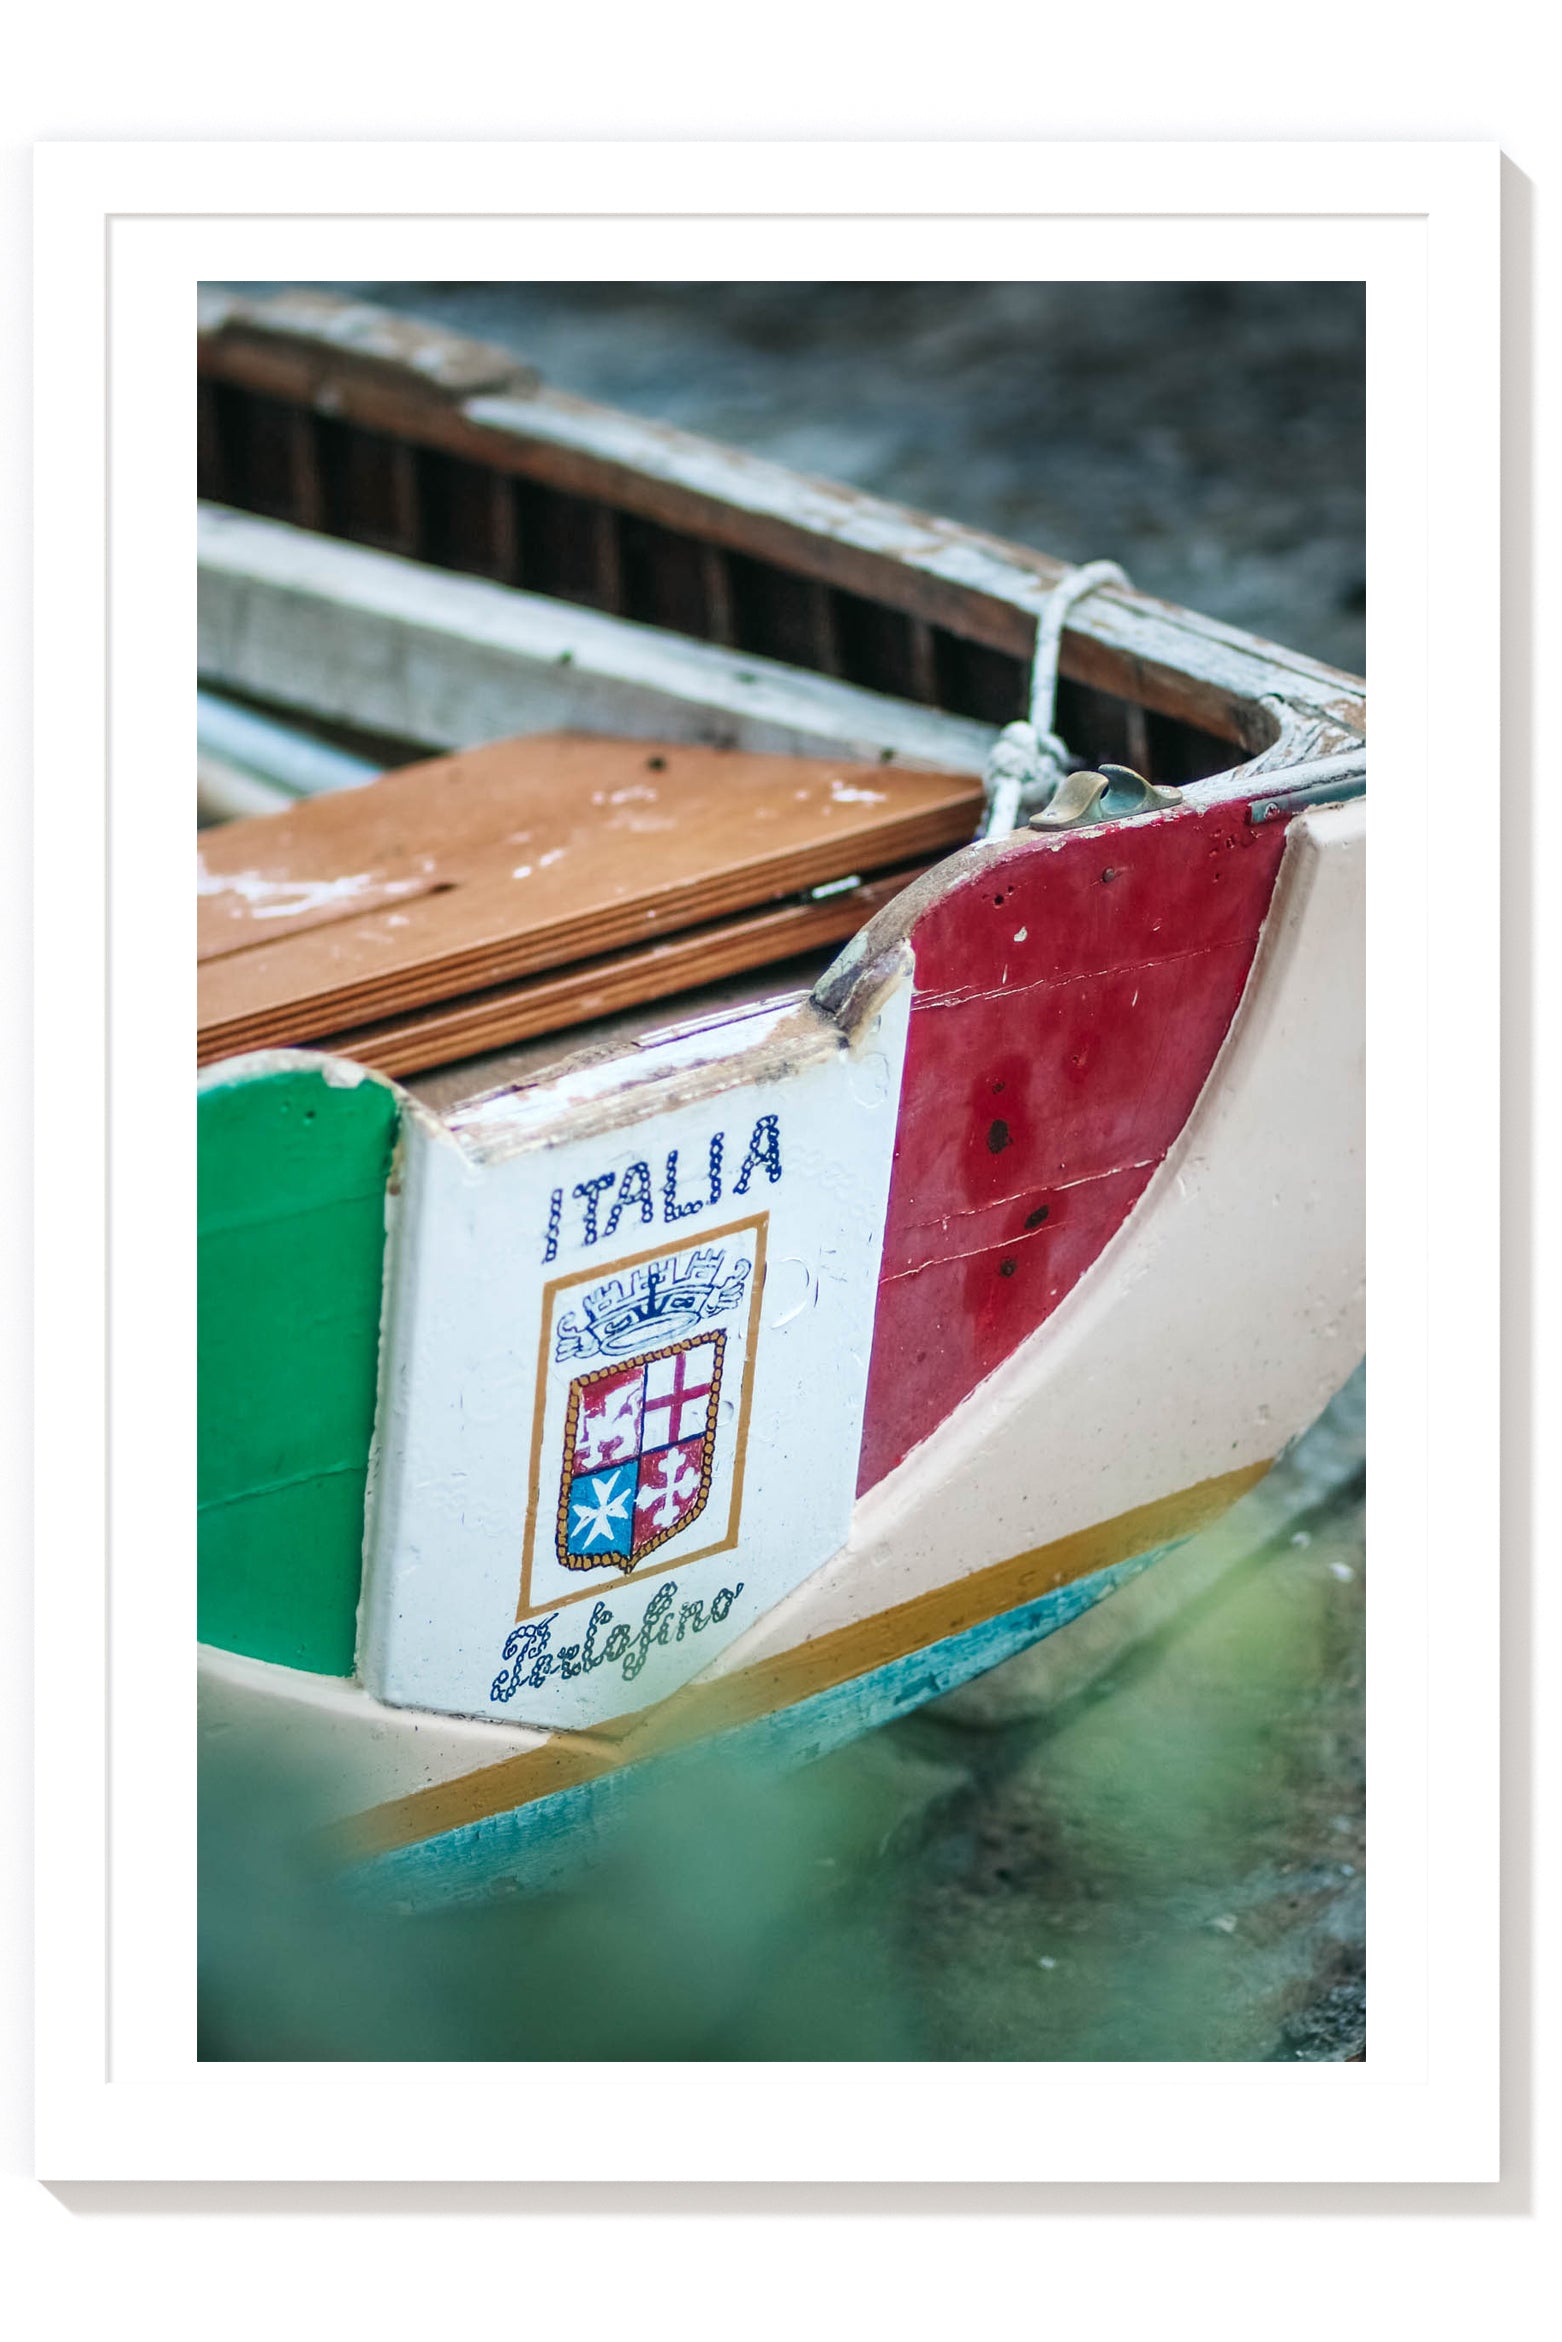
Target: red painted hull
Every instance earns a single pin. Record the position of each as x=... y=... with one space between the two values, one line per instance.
x=1069 y=1004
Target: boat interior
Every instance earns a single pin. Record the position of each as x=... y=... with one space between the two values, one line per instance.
x=325 y=422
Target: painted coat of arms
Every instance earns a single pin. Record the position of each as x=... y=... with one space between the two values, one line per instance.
x=639 y=1443
x=641 y=1430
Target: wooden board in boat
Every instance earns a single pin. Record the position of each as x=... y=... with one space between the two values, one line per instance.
x=591 y=989
x=474 y=870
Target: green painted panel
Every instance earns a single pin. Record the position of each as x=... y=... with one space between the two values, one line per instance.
x=292 y=1246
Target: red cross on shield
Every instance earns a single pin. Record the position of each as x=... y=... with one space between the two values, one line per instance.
x=639 y=1449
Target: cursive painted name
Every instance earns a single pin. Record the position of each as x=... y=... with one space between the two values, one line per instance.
x=529 y=1657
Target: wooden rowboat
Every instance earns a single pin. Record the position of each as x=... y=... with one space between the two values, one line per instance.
x=784 y=1357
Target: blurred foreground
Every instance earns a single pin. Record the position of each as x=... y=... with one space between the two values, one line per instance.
x=1143 y=1839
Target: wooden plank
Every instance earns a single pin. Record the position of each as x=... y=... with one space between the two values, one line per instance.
x=405 y=500
x=924 y=671
x=604 y=821
x=598 y=988
x=305 y=332
x=718 y=594
x=504 y=529
x=960 y=579
x=409 y=652
x=520 y=857
x=609 y=560
x=308 y=487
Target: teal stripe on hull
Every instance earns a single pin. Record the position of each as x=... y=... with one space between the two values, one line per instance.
x=535 y=1845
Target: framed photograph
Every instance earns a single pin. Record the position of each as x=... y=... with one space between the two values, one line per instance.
x=763 y=1440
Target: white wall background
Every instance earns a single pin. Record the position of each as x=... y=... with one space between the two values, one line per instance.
x=1448 y=2259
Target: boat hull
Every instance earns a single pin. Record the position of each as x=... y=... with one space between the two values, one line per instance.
x=1213 y=1326
x=1050 y=1235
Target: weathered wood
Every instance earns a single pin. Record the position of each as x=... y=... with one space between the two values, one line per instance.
x=973 y=585
x=210 y=480
x=521 y=857
x=599 y=988
x=308 y=486
x=718 y=594
x=309 y=326
x=410 y=652
x=924 y=672
x=505 y=529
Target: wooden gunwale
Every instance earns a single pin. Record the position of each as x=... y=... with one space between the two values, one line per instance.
x=938 y=573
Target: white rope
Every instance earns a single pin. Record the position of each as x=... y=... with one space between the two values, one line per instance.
x=1028 y=761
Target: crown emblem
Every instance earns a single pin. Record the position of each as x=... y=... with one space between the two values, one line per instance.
x=660 y=1302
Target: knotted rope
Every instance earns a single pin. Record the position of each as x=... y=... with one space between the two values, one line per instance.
x=1028 y=761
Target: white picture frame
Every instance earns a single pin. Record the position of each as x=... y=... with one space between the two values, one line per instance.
x=124 y=234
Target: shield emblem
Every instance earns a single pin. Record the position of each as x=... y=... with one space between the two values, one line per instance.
x=639 y=1440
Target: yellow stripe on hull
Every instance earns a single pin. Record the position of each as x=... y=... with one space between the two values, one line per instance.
x=704 y=1709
